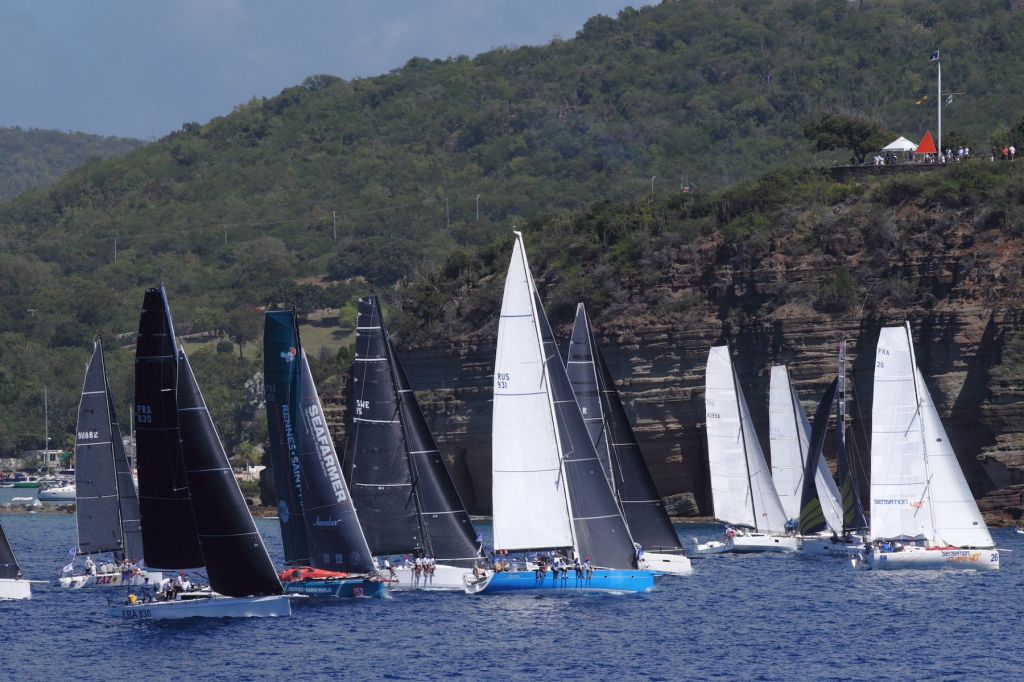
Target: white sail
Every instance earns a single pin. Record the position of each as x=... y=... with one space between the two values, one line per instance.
x=958 y=522
x=788 y=436
x=899 y=501
x=789 y=439
x=528 y=490
x=741 y=484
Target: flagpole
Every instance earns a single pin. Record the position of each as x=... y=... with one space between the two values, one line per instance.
x=939 y=64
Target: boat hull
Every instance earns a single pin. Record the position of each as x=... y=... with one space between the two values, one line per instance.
x=62 y=494
x=824 y=546
x=214 y=606
x=77 y=582
x=528 y=582
x=336 y=588
x=741 y=544
x=920 y=558
x=669 y=564
x=11 y=589
x=444 y=578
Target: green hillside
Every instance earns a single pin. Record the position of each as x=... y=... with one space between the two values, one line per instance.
x=33 y=159
x=242 y=211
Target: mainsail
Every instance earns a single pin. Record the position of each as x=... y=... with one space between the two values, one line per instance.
x=741 y=484
x=638 y=497
x=918 y=490
x=313 y=480
x=9 y=568
x=106 y=501
x=168 y=528
x=376 y=463
x=813 y=516
x=236 y=560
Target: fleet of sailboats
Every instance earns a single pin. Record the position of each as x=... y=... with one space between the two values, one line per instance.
x=407 y=501
x=572 y=496
x=326 y=554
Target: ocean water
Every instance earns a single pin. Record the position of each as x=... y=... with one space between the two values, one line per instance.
x=738 y=617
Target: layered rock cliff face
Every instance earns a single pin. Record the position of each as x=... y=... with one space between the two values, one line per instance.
x=781 y=283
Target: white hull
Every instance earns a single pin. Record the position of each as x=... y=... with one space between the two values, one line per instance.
x=824 y=546
x=929 y=559
x=444 y=578
x=15 y=589
x=748 y=543
x=62 y=494
x=214 y=606
x=77 y=582
x=669 y=564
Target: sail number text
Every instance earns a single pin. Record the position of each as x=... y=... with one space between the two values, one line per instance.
x=362 y=405
x=501 y=379
x=143 y=414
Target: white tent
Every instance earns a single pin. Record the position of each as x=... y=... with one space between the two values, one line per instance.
x=900 y=144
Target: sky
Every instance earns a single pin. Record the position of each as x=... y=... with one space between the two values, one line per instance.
x=141 y=68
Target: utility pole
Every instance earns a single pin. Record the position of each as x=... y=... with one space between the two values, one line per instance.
x=938 y=140
x=334 y=215
x=652 y=185
x=225 y=235
x=115 y=249
x=447 y=214
x=478 y=208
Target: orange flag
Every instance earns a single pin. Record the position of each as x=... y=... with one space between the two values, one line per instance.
x=927 y=145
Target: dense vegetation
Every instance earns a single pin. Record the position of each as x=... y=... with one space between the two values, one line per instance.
x=570 y=139
x=32 y=159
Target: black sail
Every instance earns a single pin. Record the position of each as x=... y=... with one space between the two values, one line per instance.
x=96 y=499
x=127 y=496
x=448 y=532
x=639 y=498
x=853 y=512
x=582 y=371
x=375 y=458
x=601 y=533
x=812 y=517
x=237 y=563
x=9 y=568
x=281 y=381
x=168 y=527
x=336 y=540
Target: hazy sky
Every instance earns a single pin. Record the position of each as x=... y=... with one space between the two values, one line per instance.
x=141 y=68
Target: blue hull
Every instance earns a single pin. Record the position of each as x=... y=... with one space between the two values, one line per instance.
x=600 y=581
x=342 y=588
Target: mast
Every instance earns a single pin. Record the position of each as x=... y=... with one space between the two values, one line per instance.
x=743 y=441
x=920 y=420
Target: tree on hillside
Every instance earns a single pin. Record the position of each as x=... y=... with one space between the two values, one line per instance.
x=859 y=134
x=242 y=326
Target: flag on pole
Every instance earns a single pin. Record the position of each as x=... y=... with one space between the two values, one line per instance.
x=949 y=100
x=934 y=57
x=922 y=100
x=69 y=568
x=71 y=551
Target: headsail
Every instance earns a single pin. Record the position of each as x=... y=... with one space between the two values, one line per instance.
x=741 y=484
x=127 y=496
x=813 y=518
x=169 y=530
x=330 y=528
x=281 y=378
x=530 y=505
x=448 y=533
x=638 y=497
x=96 y=498
x=582 y=371
x=236 y=560
x=376 y=464
x=9 y=568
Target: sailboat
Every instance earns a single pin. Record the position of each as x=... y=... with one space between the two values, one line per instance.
x=922 y=512
x=106 y=503
x=617 y=448
x=325 y=551
x=407 y=501
x=12 y=584
x=741 y=485
x=192 y=510
x=549 y=490
x=790 y=439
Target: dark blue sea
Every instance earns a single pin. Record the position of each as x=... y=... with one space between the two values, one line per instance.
x=738 y=617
